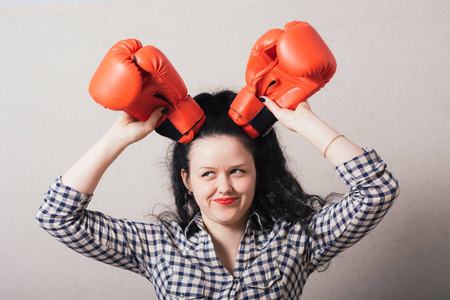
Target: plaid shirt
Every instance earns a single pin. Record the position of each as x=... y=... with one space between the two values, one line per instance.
x=271 y=264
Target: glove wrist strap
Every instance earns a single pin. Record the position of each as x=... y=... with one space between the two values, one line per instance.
x=183 y=123
x=247 y=111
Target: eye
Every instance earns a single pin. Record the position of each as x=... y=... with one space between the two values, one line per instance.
x=208 y=174
x=237 y=171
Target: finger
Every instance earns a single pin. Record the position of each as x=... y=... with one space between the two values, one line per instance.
x=156 y=115
x=284 y=115
x=272 y=106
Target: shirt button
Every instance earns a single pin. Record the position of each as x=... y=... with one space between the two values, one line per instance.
x=182 y=296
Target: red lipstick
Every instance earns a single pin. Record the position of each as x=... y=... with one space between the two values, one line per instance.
x=225 y=201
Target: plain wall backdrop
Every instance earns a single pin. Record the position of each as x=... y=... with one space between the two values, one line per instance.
x=390 y=92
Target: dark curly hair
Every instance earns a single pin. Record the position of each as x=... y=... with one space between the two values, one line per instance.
x=278 y=194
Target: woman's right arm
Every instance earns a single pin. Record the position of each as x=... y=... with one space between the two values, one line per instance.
x=64 y=214
x=86 y=173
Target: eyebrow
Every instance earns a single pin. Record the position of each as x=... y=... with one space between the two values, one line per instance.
x=232 y=167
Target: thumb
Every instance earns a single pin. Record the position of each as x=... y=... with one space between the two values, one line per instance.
x=285 y=116
x=154 y=118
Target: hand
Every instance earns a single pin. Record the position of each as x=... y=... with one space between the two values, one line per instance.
x=130 y=130
x=86 y=173
x=303 y=121
x=291 y=119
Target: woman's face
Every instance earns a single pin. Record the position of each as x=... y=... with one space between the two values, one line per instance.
x=222 y=178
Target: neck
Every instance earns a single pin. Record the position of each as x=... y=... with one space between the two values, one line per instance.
x=226 y=240
x=226 y=236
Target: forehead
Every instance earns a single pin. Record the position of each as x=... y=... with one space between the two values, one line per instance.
x=219 y=149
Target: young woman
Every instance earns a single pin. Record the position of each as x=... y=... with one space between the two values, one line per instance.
x=243 y=226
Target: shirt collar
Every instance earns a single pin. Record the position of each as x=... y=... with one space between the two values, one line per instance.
x=196 y=224
x=255 y=221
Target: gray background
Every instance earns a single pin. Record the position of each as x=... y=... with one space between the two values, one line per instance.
x=390 y=92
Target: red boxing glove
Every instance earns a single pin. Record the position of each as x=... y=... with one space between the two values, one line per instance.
x=287 y=66
x=138 y=80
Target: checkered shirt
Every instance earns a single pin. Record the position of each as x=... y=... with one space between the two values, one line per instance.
x=271 y=264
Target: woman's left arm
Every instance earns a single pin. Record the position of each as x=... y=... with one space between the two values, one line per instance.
x=372 y=188
x=321 y=135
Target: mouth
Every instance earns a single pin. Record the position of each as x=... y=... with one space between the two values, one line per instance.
x=225 y=201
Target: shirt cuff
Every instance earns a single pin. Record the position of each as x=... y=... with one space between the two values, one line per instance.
x=67 y=199
x=362 y=167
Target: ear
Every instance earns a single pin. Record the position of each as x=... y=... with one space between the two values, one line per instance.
x=185 y=177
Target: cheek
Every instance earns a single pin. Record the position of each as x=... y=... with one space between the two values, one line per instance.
x=202 y=189
x=246 y=187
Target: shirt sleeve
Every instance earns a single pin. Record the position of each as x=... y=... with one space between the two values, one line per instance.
x=118 y=242
x=372 y=191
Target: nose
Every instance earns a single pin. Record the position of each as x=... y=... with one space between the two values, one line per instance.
x=224 y=185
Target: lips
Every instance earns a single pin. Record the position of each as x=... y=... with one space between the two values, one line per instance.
x=225 y=201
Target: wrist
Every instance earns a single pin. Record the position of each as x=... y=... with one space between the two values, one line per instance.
x=116 y=139
x=307 y=121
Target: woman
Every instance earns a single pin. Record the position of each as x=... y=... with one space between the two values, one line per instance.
x=244 y=228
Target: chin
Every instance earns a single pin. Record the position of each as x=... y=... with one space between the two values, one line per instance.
x=230 y=217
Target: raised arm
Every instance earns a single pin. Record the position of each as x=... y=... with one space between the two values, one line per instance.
x=65 y=216
x=372 y=188
x=86 y=173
